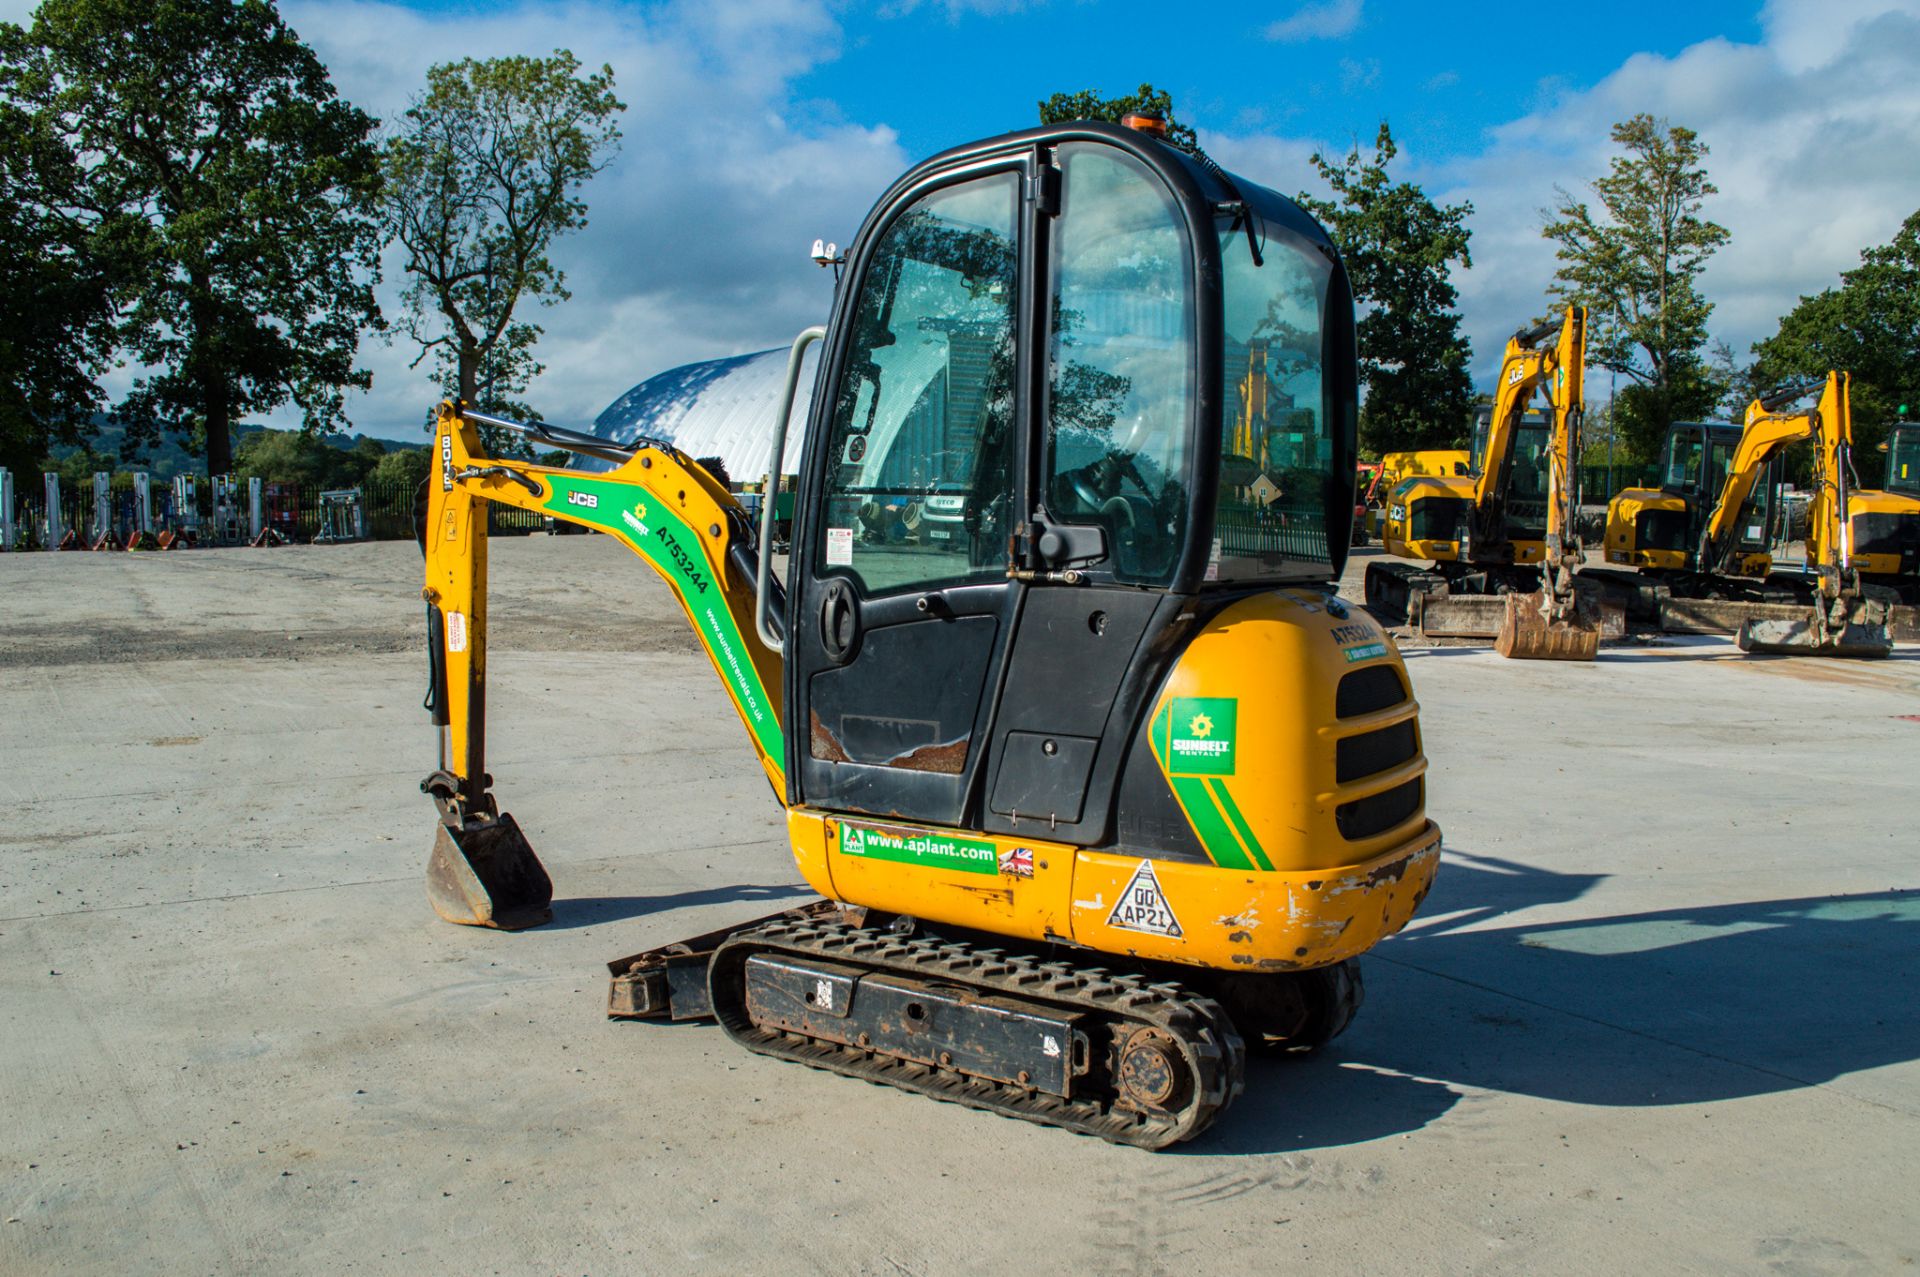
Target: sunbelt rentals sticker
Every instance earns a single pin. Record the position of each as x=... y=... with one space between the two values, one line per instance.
x=1200 y=735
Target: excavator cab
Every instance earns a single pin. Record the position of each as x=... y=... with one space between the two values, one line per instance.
x=1661 y=528
x=1131 y=378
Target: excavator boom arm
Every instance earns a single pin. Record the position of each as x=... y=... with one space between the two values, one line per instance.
x=666 y=509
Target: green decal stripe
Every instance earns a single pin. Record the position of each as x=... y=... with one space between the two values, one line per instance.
x=1204 y=815
x=717 y=631
x=1240 y=826
x=922 y=847
x=1158 y=733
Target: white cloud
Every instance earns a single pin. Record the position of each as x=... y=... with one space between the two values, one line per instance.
x=1326 y=20
x=697 y=240
x=1359 y=74
x=1811 y=135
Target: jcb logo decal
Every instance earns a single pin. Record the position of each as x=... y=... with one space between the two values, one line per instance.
x=587 y=499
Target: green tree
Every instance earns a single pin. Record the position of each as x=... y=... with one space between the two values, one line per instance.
x=292 y=456
x=485 y=174
x=406 y=466
x=1869 y=327
x=1635 y=266
x=56 y=308
x=1400 y=248
x=1090 y=105
x=234 y=188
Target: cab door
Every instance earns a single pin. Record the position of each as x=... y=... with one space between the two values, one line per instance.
x=900 y=608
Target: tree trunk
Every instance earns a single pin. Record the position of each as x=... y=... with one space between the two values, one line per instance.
x=469 y=374
x=219 y=430
x=216 y=403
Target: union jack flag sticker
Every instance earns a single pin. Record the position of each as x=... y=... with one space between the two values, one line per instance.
x=1018 y=862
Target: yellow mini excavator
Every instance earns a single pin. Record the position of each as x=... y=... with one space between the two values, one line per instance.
x=1844 y=617
x=1702 y=541
x=1103 y=785
x=1506 y=528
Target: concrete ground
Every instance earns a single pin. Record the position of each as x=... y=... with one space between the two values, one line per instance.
x=1659 y=1013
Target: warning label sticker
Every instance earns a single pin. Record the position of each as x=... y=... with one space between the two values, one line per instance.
x=456 y=631
x=839 y=547
x=1143 y=907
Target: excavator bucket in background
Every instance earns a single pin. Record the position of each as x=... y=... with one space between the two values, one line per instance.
x=1861 y=630
x=1529 y=632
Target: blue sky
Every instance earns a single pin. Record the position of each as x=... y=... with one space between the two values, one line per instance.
x=1442 y=76
x=757 y=125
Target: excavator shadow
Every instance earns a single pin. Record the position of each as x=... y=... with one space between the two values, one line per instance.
x=1670 y=1006
x=1692 y=1005
x=594 y=911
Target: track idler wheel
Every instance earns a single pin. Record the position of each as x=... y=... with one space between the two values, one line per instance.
x=1151 y=1074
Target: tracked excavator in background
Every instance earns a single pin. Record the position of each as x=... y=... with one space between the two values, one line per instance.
x=1097 y=794
x=1844 y=617
x=1702 y=540
x=1501 y=543
x=1886 y=521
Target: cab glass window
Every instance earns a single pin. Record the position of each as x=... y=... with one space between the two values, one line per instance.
x=1903 y=461
x=1529 y=473
x=1277 y=443
x=918 y=475
x=1684 y=450
x=1119 y=365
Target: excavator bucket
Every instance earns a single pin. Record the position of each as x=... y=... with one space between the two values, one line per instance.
x=1527 y=633
x=485 y=874
x=1864 y=633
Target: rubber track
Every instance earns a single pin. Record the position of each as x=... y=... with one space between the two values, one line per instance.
x=1205 y=1034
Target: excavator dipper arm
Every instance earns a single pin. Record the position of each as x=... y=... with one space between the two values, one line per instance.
x=677 y=518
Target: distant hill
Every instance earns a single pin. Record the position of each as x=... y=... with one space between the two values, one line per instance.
x=167 y=457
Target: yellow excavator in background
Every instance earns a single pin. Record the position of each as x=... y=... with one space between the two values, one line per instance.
x=1506 y=528
x=1101 y=786
x=1886 y=520
x=1844 y=617
x=1702 y=541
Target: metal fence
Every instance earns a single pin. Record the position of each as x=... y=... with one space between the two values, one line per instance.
x=294 y=512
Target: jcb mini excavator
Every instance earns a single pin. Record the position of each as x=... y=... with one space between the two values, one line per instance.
x=1844 y=617
x=1506 y=528
x=1702 y=540
x=1099 y=791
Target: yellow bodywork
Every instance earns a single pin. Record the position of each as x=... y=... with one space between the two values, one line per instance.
x=1284 y=889
x=1396 y=523
x=1622 y=547
x=1863 y=502
x=1396 y=466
